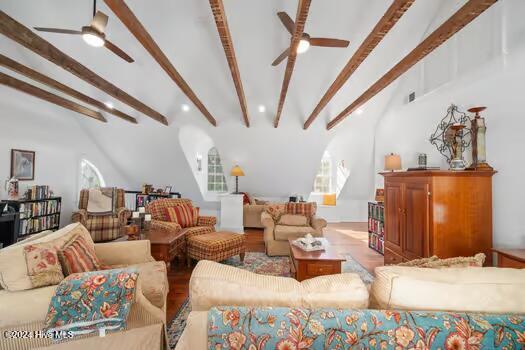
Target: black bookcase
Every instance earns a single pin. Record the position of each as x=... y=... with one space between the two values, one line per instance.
x=376 y=226
x=35 y=215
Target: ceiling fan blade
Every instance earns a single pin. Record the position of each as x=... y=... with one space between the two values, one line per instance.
x=328 y=42
x=281 y=57
x=58 y=30
x=99 y=21
x=118 y=51
x=287 y=21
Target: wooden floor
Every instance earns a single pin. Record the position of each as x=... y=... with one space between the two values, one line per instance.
x=347 y=238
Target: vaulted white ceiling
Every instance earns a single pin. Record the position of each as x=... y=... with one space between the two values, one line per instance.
x=280 y=161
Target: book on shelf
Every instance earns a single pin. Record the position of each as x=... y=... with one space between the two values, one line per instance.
x=33 y=209
x=38 y=192
x=38 y=224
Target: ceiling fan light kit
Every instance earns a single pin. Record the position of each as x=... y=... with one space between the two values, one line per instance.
x=92 y=37
x=306 y=41
x=304 y=45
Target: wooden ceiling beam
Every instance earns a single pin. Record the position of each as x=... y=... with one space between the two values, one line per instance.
x=32 y=90
x=466 y=14
x=25 y=37
x=392 y=15
x=41 y=78
x=300 y=19
x=217 y=7
x=136 y=28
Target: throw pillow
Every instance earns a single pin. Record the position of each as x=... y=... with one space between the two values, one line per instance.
x=195 y=213
x=275 y=211
x=476 y=261
x=306 y=209
x=43 y=266
x=245 y=198
x=181 y=214
x=78 y=256
x=418 y=262
x=293 y=220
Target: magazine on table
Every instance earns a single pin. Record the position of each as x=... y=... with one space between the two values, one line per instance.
x=309 y=244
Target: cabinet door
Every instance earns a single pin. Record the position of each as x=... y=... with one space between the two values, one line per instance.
x=416 y=211
x=393 y=216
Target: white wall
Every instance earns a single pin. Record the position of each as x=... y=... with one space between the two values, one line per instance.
x=482 y=66
x=59 y=142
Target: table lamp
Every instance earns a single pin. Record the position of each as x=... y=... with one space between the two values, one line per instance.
x=237 y=171
x=392 y=162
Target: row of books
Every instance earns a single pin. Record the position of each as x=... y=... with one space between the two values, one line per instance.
x=33 y=209
x=376 y=242
x=34 y=225
x=376 y=211
x=38 y=192
x=376 y=226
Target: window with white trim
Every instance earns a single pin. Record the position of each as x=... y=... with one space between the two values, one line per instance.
x=323 y=179
x=216 y=180
x=90 y=176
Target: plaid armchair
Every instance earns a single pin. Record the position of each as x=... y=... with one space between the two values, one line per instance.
x=102 y=228
x=157 y=209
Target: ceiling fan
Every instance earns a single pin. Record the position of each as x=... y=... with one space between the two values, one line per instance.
x=306 y=40
x=93 y=34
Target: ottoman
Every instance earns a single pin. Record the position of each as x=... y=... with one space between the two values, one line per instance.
x=215 y=246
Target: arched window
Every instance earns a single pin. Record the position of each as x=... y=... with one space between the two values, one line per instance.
x=216 y=180
x=323 y=179
x=90 y=176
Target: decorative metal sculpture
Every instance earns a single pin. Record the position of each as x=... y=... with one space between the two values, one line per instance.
x=452 y=136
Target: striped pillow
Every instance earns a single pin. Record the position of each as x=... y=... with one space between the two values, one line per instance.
x=78 y=256
x=182 y=215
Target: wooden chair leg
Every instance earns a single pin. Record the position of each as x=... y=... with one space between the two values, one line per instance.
x=241 y=255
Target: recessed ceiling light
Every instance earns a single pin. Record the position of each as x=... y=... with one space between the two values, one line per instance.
x=109 y=104
x=185 y=107
x=359 y=111
x=262 y=108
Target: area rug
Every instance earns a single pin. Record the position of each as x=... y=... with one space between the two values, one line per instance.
x=264 y=265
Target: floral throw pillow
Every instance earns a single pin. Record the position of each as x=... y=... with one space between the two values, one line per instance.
x=275 y=211
x=43 y=266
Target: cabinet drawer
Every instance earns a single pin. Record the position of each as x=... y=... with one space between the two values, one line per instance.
x=316 y=269
x=392 y=258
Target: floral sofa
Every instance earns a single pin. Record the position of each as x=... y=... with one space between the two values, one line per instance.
x=406 y=308
x=24 y=308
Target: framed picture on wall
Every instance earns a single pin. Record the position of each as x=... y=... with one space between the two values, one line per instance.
x=22 y=164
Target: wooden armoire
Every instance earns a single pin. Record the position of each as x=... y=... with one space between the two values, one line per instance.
x=443 y=213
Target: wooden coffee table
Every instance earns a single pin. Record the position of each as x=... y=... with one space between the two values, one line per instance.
x=514 y=258
x=304 y=265
x=165 y=245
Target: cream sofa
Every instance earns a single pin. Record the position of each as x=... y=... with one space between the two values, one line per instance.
x=26 y=309
x=472 y=289
x=276 y=235
x=251 y=215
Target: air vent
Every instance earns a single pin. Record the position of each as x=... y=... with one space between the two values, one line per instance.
x=411 y=96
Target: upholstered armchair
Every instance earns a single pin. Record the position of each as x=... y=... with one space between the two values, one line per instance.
x=103 y=227
x=159 y=218
x=290 y=220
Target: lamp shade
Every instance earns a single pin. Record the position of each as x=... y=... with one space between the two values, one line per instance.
x=237 y=171
x=392 y=162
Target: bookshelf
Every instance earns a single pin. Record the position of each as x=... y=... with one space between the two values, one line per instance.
x=36 y=215
x=376 y=226
x=141 y=199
